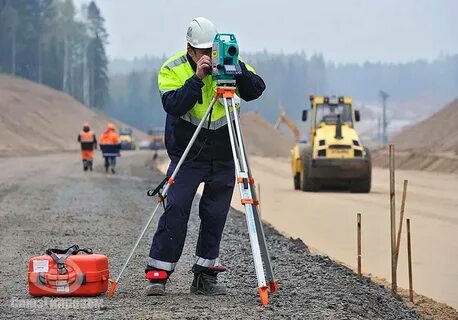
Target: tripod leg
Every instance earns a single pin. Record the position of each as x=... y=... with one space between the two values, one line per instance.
x=232 y=138
x=245 y=194
x=273 y=286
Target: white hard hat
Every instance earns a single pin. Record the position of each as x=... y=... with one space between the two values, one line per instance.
x=201 y=33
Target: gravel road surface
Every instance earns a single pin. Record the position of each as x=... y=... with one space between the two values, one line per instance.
x=48 y=202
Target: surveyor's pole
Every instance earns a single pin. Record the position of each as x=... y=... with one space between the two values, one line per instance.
x=401 y=220
x=392 y=222
x=358 y=222
x=409 y=260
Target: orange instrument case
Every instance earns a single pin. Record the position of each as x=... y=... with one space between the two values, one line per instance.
x=70 y=272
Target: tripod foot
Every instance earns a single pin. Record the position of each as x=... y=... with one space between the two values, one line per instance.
x=264 y=296
x=112 y=289
x=273 y=286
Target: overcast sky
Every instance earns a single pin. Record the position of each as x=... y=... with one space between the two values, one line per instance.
x=343 y=30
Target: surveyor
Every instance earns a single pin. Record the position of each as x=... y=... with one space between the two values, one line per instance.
x=187 y=87
x=88 y=143
x=110 y=145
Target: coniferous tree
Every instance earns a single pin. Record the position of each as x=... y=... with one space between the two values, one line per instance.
x=9 y=22
x=97 y=59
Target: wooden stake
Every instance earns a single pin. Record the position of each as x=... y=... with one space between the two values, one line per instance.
x=401 y=220
x=359 y=243
x=393 y=223
x=409 y=260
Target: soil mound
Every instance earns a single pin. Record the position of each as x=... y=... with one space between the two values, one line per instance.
x=438 y=133
x=262 y=139
x=431 y=144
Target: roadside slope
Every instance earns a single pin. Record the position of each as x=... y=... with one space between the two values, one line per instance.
x=37 y=119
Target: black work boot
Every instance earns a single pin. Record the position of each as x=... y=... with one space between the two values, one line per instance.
x=113 y=171
x=90 y=165
x=156 y=282
x=206 y=282
x=84 y=165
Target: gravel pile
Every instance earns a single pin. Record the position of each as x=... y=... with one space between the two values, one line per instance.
x=55 y=209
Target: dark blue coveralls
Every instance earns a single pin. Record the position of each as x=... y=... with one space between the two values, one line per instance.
x=210 y=161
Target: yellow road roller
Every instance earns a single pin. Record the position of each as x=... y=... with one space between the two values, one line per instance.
x=333 y=155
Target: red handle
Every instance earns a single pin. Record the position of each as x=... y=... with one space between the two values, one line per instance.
x=69 y=277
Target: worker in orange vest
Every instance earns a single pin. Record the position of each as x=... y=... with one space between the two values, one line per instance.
x=88 y=143
x=110 y=145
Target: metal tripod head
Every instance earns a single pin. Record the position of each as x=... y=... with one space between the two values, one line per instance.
x=226 y=83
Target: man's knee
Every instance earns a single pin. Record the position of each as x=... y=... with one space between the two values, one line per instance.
x=177 y=213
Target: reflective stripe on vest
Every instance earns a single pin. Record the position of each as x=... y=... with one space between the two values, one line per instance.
x=172 y=64
x=86 y=136
x=176 y=62
x=214 y=125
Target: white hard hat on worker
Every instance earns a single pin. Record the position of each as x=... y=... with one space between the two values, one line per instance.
x=201 y=33
x=200 y=36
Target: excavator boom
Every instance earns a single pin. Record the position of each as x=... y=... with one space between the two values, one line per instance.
x=283 y=118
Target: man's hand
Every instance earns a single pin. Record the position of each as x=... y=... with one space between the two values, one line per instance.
x=203 y=67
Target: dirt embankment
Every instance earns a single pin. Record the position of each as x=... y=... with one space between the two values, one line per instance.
x=37 y=119
x=438 y=133
x=261 y=139
x=431 y=144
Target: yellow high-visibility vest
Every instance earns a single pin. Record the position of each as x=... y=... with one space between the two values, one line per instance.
x=173 y=75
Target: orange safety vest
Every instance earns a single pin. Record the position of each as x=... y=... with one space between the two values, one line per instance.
x=87 y=140
x=109 y=137
x=86 y=136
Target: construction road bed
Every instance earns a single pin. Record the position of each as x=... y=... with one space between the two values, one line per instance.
x=49 y=202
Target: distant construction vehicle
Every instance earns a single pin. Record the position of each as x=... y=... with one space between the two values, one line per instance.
x=334 y=154
x=127 y=141
x=283 y=118
x=157 y=140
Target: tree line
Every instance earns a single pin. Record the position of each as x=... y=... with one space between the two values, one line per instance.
x=290 y=79
x=53 y=43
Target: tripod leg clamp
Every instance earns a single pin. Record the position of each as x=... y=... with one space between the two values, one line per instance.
x=250 y=201
x=242 y=180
